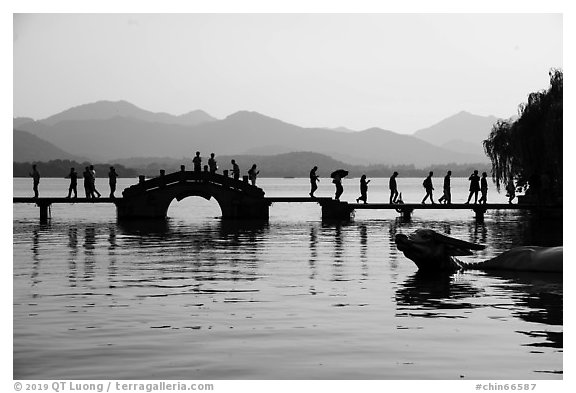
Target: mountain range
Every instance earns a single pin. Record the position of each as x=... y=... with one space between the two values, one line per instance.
x=462 y=132
x=28 y=148
x=103 y=110
x=106 y=131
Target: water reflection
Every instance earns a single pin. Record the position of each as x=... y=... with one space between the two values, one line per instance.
x=478 y=232
x=151 y=252
x=112 y=239
x=338 y=251
x=257 y=277
x=363 y=234
x=537 y=298
x=313 y=244
x=205 y=252
x=196 y=236
x=72 y=256
x=144 y=227
x=430 y=295
x=89 y=258
x=35 y=255
x=393 y=228
x=112 y=245
x=543 y=231
x=255 y=228
x=525 y=228
x=73 y=242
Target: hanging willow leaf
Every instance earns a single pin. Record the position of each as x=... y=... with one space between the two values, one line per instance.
x=529 y=149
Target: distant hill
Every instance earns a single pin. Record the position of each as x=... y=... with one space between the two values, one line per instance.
x=61 y=168
x=268 y=150
x=91 y=130
x=462 y=132
x=464 y=147
x=28 y=148
x=341 y=129
x=297 y=164
x=104 y=110
x=18 y=121
x=119 y=137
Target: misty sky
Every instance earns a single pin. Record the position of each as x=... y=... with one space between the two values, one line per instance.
x=400 y=72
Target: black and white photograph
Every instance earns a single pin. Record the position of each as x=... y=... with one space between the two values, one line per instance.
x=202 y=197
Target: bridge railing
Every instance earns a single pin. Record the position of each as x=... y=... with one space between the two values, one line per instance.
x=146 y=185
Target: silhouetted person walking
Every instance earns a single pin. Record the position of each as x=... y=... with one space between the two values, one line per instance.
x=393 y=188
x=474 y=186
x=363 y=189
x=88 y=183
x=483 y=188
x=313 y=179
x=338 y=183
x=252 y=174
x=447 y=196
x=212 y=163
x=235 y=170
x=428 y=187
x=35 y=175
x=511 y=191
x=112 y=175
x=94 y=190
x=197 y=161
x=73 y=176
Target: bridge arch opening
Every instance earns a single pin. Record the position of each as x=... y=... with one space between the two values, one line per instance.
x=194 y=208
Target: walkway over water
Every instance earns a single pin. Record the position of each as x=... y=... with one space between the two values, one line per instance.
x=238 y=199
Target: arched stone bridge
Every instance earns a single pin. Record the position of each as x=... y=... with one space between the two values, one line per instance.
x=151 y=198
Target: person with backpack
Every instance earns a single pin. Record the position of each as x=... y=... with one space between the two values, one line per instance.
x=427 y=184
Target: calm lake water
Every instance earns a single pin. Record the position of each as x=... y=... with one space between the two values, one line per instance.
x=294 y=298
